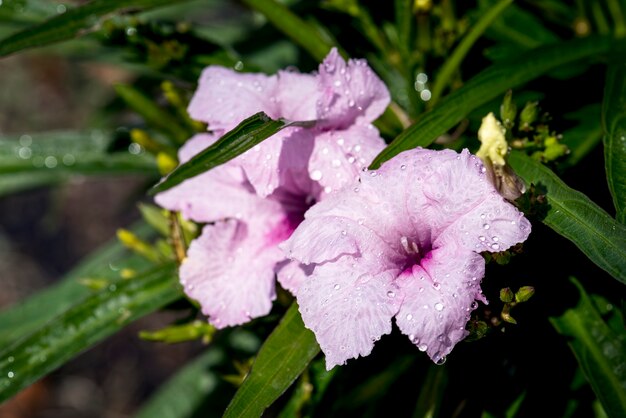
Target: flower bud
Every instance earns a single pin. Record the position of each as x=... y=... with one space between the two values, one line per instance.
x=524 y=293
x=508 y=110
x=529 y=115
x=506 y=295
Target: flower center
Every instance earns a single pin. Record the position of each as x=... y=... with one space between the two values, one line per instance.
x=413 y=253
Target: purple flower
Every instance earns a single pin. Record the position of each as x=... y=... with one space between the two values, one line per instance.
x=254 y=202
x=403 y=242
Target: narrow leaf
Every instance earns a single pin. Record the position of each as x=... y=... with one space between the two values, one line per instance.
x=454 y=61
x=104 y=264
x=184 y=393
x=614 y=126
x=72 y=23
x=290 y=24
x=82 y=326
x=488 y=85
x=49 y=157
x=574 y=216
x=244 y=136
x=282 y=358
x=599 y=351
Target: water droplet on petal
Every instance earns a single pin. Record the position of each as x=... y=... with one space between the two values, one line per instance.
x=437 y=285
x=495 y=246
x=409 y=317
x=439 y=306
x=391 y=294
x=403 y=167
x=337 y=287
x=422 y=347
x=486 y=226
x=316 y=175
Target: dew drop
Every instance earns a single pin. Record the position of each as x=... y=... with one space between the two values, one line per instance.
x=10 y=375
x=316 y=175
x=344 y=233
x=403 y=167
x=439 y=360
x=439 y=306
x=336 y=163
x=437 y=285
x=495 y=246
x=409 y=317
x=495 y=239
x=422 y=347
x=391 y=294
x=482 y=238
x=486 y=226
x=336 y=287
x=483 y=216
x=351 y=103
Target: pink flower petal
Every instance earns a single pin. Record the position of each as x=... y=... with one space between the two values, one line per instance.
x=291 y=275
x=439 y=297
x=347 y=308
x=351 y=92
x=297 y=95
x=419 y=215
x=225 y=97
x=230 y=268
x=339 y=156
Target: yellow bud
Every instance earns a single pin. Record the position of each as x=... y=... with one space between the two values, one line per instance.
x=493 y=143
x=166 y=163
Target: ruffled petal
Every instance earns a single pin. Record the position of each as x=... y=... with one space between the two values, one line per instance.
x=292 y=274
x=350 y=92
x=439 y=297
x=339 y=156
x=225 y=97
x=297 y=95
x=229 y=269
x=347 y=308
x=220 y=193
x=288 y=150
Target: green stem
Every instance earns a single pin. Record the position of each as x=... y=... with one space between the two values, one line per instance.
x=459 y=53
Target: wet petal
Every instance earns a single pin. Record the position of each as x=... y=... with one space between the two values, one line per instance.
x=347 y=308
x=339 y=156
x=225 y=97
x=350 y=92
x=439 y=297
x=229 y=269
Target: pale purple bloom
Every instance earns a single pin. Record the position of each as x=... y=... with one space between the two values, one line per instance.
x=403 y=242
x=254 y=202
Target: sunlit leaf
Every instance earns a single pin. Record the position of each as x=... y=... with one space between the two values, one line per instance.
x=83 y=325
x=600 y=352
x=574 y=216
x=614 y=125
x=487 y=85
x=282 y=358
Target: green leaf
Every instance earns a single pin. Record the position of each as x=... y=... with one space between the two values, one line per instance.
x=585 y=136
x=105 y=263
x=73 y=23
x=247 y=134
x=83 y=325
x=600 y=352
x=282 y=358
x=184 y=393
x=614 y=126
x=486 y=86
x=572 y=215
x=454 y=61
x=290 y=24
x=49 y=157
